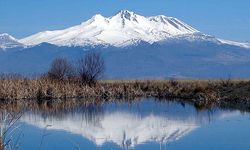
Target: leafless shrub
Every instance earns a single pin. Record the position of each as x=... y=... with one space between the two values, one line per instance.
x=173 y=82
x=90 y=68
x=226 y=83
x=8 y=129
x=61 y=69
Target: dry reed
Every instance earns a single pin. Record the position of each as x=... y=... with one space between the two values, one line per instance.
x=200 y=92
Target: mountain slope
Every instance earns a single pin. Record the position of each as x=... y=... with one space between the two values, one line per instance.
x=228 y=42
x=119 y=30
x=7 y=41
x=184 y=59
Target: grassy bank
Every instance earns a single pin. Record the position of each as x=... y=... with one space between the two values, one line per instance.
x=200 y=92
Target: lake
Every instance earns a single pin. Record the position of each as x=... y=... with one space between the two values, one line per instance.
x=146 y=124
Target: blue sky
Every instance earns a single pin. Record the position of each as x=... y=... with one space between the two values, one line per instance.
x=228 y=19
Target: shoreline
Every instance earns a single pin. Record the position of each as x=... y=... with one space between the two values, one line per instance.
x=201 y=93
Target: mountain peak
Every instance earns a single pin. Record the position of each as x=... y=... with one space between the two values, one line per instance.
x=116 y=30
x=97 y=17
x=93 y=19
x=6 y=36
x=125 y=14
x=8 y=41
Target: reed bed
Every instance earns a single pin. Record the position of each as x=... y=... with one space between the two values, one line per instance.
x=199 y=92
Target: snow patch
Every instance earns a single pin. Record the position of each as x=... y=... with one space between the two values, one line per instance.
x=243 y=45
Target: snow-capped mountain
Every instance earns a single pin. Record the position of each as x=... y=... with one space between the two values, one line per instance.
x=123 y=29
x=8 y=41
x=134 y=47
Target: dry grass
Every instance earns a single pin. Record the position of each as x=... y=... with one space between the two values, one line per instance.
x=200 y=92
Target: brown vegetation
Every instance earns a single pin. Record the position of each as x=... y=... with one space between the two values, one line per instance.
x=201 y=93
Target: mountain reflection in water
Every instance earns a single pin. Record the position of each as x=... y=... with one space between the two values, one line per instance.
x=126 y=125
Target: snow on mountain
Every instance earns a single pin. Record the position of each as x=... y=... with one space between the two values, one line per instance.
x=244 y=45
x=123 y=29
x=7 y=41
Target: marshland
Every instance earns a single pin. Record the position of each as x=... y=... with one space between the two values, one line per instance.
x=73 y=98
x=203 y=93
x=82 y=79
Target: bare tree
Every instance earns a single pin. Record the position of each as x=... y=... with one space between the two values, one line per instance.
x=61 y=69
x=91 y=67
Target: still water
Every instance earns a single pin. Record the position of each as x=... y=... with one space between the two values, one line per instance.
x=143 y=125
